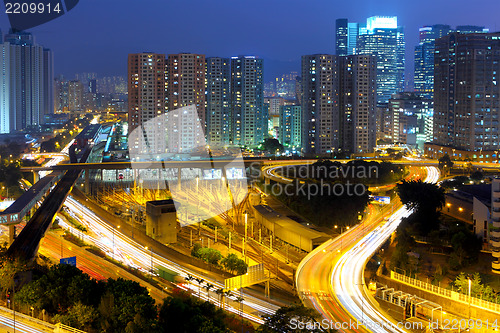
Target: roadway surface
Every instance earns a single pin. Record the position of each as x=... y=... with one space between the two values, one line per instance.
x=27 y=242
x=330 y=279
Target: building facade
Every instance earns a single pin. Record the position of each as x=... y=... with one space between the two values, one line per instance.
x=424 y=58
x=250 y=118
x=466 y=91
x=338 y=104
x=411 y=119
x=495 y=230
x=218 y=98
x=26 y=82
x=147 y=101
x=186 y=88
x=357 y=103
x=290 y=130
x=383 y=38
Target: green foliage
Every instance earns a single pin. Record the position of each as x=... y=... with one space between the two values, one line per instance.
x=182 y=313
x=445 y=162
x=73 y=221
x=210 y=255
x=400 y=258
x=79 y=316
x=466 y=247
x=477 y=176
x=234 y=264
x=425 y=199
x=283 y=319
x=323 y=206
x=477 y=288
x=8 y=270
x=272 y=145
x=74 y=298
x=10 y=174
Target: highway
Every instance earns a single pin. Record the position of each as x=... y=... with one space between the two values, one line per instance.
x=330 y=279
x=135 y=255
x=27 y=242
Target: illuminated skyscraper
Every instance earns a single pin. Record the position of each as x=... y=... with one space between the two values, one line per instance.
x=410 y=119
x=146 y=98
x=26 y=82
x=218 y=112
x=357 y=102
x=346 y=37
x=338 y=103
x=466 y=91
x=424 y=54
x=424 y=58
x=290 y=130
x=383 y=38
x=250 y=117
x=75 y=96
x=186 y=87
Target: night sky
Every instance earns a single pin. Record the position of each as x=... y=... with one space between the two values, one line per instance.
x=96 y=36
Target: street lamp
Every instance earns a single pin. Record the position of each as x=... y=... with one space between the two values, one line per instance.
x=470 y=284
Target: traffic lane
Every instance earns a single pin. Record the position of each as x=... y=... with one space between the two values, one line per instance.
x=97 y=267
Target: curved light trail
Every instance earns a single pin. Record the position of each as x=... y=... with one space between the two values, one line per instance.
x=135 y=255
x=330 y=279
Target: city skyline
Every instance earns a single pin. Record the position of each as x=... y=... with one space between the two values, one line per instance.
x=276 y=38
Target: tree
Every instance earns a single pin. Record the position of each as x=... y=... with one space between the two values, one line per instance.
x=234 y=264
x=477 y=176
x=200 y=281
x=79 y=316
x=182 y=313
x=272 y=145
x=208 y=286
x=425 y=199
x=445 y=162
x=282 y=321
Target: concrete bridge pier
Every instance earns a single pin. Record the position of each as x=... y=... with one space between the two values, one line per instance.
x=87 y=181
x=12 y=233
x=36 y=177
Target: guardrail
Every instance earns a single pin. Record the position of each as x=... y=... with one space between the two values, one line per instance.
x=61 y=328
x=24 y=317
x=453 y=295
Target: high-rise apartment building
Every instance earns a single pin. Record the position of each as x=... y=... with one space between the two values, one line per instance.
x=26 y=82
x=290 y=130
x=274 y=105
x=338 y=103
x=186 y=87
x=357 y=102
x=411 y=119
x=346 y=37
x=466 y=91
x=247 y=101
x=320 y=114
x=75 y=96
x=424 y=58
x=218 y=110
x=147 y=100
x=383 y=38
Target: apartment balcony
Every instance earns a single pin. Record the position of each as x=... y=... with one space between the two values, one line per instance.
x=496 y=253
x=495 y=234
x=496 y=204
x=495 y=243
x=495 y=195
x=495 y=267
